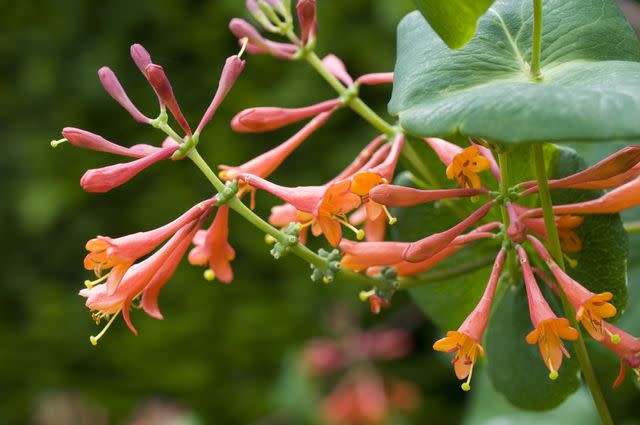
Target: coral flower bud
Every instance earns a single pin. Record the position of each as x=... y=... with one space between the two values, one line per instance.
x=402 y=196
x=375 y=79
x=619 y=199
x=336 y=67
x=429 y=246
x=360 y=255
x=549 y=329
x=104 y=179
x=262 y=119
x=308 y=19
x=160 y=83
x=590 y=308
x=614 y=165
x=114 y=88
x=517 y=230
x=232 y=69
x=466 y=341
x=265 y=164
x=88 y=140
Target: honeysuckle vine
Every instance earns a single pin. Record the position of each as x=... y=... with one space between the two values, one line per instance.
x=531 y=244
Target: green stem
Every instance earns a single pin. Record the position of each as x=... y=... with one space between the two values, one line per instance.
x=556 y=252
x=298 y=249
x=537 y=40
x=511 y=261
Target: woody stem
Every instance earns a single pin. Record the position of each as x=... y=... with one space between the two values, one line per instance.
x=556 y=252
x=298 y=249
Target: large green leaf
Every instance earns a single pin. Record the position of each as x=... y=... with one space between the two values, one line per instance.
x=590 y=88
x=516 y=368
x=455 y=21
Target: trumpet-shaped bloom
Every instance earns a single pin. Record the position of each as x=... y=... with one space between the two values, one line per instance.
x=213 y=248
x=591 y=308
x=262 y=119
x=120 y=253
x=150 y=273
x=328 y=204
x=549 y=329
x=466 y=165
x=466 y=341
x=627 y=348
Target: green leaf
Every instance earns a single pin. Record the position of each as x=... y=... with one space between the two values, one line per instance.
x=489 y=407
x=590 y=89
x=455 y=21
x=516 y=368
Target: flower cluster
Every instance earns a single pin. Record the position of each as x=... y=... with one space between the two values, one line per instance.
x=357 y=199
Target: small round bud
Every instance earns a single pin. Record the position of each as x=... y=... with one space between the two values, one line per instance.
x=363 y=296
x=209 y=275
x=327 y=280
x=269 y=240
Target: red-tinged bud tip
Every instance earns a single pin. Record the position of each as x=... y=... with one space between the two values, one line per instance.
x=308 y=20
x=158 y=79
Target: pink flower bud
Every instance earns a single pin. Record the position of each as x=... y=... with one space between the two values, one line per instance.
x=375 y=79
x=401 y=196
x=141 y=57
x=429 y=246
x=104 y=179
x=114 y=88
x=160 y=83
x=87 y=140
x=258 y=44
x=262 y=119
x=308 y=20
x=336 y=67
x=517 y=231
x=230 y=73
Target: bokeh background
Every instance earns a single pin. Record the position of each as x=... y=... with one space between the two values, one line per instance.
x=223 y=354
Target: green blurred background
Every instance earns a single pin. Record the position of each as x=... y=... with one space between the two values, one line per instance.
x=220 y=351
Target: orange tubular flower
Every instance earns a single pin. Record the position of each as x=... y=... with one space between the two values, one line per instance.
x=465 y=342
x=549 y=329
x=328 y=204
x=213 y=248
x=591 y=308
x=570 y=242
x=119 y=254
x=282 y=215
x=625 y=346
x=465 y=167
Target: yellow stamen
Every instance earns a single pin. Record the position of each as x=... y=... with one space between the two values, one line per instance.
x=326 y=280
x=209 y=275
x=91 y=283
x=94 y=339
x=55 y=143
x=466 y=386
x=615 y=338
x=392 y=220
x=364 y=295
x=554 y=374
x=359 y=232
